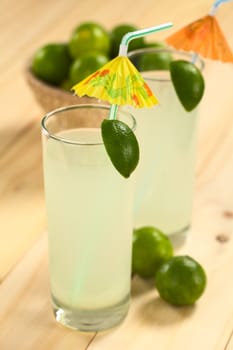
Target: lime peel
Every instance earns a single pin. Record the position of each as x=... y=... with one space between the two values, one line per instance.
x=181 y=280
x=121 y=145
x=151 y=248
x=188 y=82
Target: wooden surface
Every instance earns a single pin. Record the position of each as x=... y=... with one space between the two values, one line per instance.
x=25 y=315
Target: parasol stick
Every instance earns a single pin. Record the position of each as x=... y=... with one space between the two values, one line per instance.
x=123 y=50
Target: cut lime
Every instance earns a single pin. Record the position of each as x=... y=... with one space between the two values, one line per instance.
x=188 y=83
x=121 y=145
x=151 y=248
x=181 y=280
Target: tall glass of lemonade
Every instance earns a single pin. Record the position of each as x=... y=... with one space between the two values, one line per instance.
x=167 y=135
x=90 y=214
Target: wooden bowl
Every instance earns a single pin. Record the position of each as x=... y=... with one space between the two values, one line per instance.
x=51 y=97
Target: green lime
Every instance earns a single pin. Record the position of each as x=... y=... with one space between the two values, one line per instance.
x=155 y=60
x=85 y=65
x=66 y=85
x=116 y=35
x=51 y=63
x=89 y=36
x=121 y=145
x=155 y=44
x=151 y=248
x=188 y=83
x=181 y=280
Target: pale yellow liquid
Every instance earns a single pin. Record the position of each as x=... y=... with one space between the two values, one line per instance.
x=165 y=176
x=89 y=209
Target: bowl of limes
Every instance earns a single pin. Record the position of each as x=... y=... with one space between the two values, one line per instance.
x=56 y=67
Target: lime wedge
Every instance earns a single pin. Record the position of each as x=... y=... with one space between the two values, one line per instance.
x=121 y=145
x=188 y=83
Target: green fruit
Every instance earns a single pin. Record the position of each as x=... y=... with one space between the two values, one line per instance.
x=85 y=65
x=121 y=146
x=51 y=63
x=117 y=34
x=66 y=85
x=155 y=44
x=88 y=37
x=155 y=60
x=188 y=83
x=151 y=248
x=181 y=280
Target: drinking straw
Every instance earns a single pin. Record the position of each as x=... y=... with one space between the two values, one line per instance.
x=123 y=50
x=215 y=6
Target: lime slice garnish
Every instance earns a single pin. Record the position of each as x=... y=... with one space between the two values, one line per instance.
x=121 y=145
x=181 y=280
x=188 y=83
x=151 y=248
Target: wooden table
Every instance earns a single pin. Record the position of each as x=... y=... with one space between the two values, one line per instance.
x=25 y=315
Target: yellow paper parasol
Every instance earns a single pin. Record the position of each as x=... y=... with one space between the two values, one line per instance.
x=204 y=37
x=119 y=83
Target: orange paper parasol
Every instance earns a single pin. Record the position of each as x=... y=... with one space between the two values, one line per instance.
x=203 y=37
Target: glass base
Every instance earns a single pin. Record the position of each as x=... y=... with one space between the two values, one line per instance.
x=91 y=320
x=178 y=238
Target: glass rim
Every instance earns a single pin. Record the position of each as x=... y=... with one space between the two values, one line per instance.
x=168 y=50
x=56 y=111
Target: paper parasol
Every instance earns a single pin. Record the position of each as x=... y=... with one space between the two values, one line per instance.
x=119 y=83
x=204 y=37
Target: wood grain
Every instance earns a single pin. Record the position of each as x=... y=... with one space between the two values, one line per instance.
x=25 y=316
x=25 y=312
x=22 y=203
x=209 y=324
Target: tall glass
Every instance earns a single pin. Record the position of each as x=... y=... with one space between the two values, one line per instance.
x=90 y=213
x=167 y=135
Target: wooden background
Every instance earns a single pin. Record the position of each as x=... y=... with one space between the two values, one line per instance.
x=25 y=315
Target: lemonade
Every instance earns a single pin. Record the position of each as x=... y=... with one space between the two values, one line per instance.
x=167 y=138
x=165 y=176
x=89 y=207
